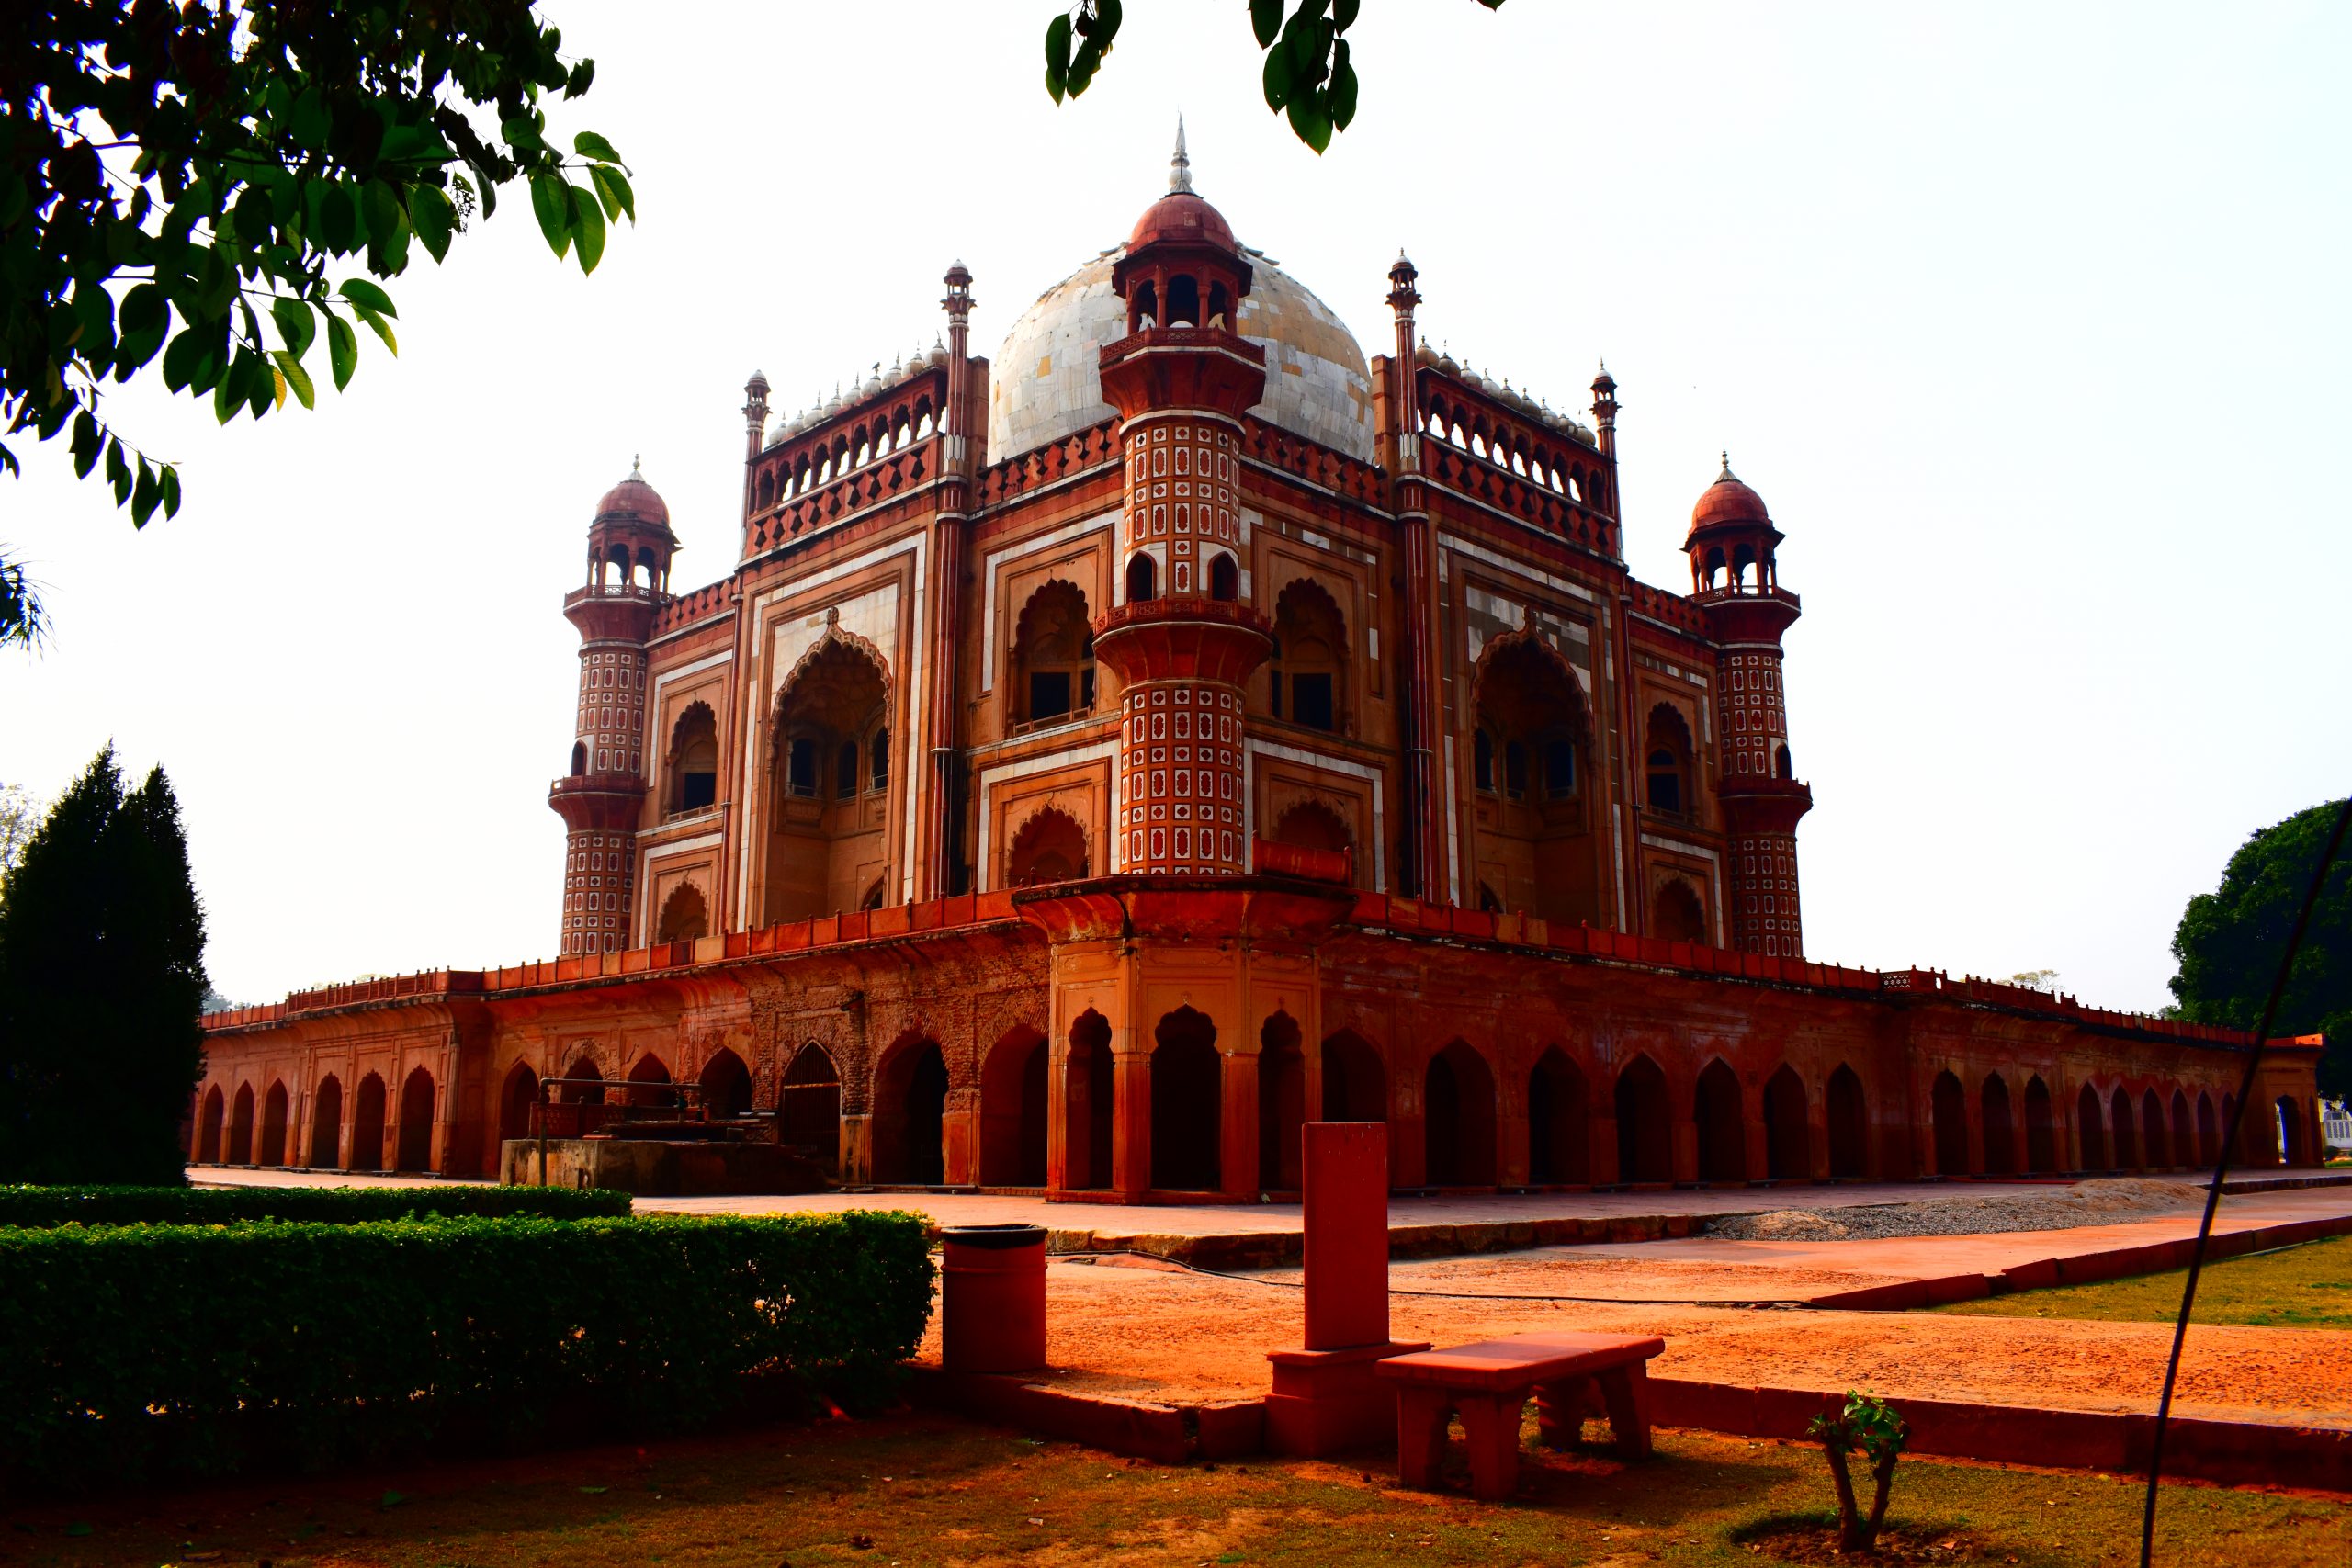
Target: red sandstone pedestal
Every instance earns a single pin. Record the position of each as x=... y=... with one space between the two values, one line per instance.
x=1326 y=1397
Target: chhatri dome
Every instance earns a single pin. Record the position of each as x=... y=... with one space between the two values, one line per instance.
x=1045 y=382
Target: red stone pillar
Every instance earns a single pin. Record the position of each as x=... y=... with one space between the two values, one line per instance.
x=1326 y=1397
x=1238 y=1088
x=1131 y=1115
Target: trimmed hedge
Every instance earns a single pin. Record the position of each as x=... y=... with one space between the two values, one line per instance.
x=41 y=1207
x=157 y=1351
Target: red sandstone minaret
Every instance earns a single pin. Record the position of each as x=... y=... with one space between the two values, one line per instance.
x=1179 y=638
x=629 y=546
x=1738 y=587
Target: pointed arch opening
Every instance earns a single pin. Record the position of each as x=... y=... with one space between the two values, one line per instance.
x=2184 y=1130
x=1050 y=847
x=2209 y=1136
x=1534 y=843
x=2122 y=1139
x=2000 y=1130
x=1948 y=1113
x=1312 y=825
x=1849 y=1125
x=809 y=1106
x=416 y=1152
x=1187 y=1103
x=2040 y=1128
x=1668 y=755
x=1788 y=1135
x=1282 y=1103
x=1012 y=1111
x=726 y=1085
x=692 y=763
x=1052 y=656
x=1225 y=578
x=209 y=1125
x=2155 y=1141
x=1676 y=913
x=2090 y=1130
x=828 y=837
x=1559 y=1122
x=368 y=1125
x=326 y=1124
x=1143 y=578
x=241 y=1127
x=2294 y=1136
x=1458 y=1118
x=1088 y=1093
x=1645 y=1129
x=518 y=1100
x=272 y=1125
x=583 y=1082
x=650 y=1087
x=685 y=916
x=911 y=1114
x=1306 y=673
x=1355 y=1081
x=1722 y=1124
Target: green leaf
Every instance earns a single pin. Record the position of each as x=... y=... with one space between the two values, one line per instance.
x=1344 y=90
x=367 y=297
x=342 y=350
x=432 y=218
x=296 y=324
x=386 y=228
x=551 y=205
x=1344 y=13
x=588 y=144
x=145 y=496
x=1276 y=79
x=617 y=198
x=588 y=225
x=144 y=317
x=1266 y=21
x=1310 y=122
x=1058 y=56
x=296 y=377
x=117 y=472
x=523 y=134
x=1082 y=67
x=381 y=327
x=87 y=442
x=338 y=219
x=171 y=490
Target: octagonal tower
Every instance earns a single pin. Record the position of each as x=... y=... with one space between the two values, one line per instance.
x=629 y=547
x=1178 y=637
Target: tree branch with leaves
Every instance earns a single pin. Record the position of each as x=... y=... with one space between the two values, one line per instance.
x=1871 y=1426
x=186 y=180
x=1307 y=73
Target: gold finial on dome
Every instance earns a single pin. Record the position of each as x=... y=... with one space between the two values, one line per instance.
x=1180 y=167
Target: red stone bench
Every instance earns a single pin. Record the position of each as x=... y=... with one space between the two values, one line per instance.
x=1489 y=1384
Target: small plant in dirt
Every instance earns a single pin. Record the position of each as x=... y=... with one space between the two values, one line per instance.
x=1871 y=1426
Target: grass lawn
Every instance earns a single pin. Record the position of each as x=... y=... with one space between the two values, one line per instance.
x=2302 y=1287
x=921 y=1489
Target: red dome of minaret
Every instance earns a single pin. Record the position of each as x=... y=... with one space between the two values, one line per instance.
x=1728 y=500
x=636 y=499
x=1182 y=217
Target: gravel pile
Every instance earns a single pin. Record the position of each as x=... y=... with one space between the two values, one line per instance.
x=2085 y=1204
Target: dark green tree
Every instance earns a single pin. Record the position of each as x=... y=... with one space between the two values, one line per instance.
x=2231 y=939
x=206 y=181
x=1306 y=72
x=101 y=979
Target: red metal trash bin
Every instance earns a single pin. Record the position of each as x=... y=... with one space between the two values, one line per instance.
x=992 y=1305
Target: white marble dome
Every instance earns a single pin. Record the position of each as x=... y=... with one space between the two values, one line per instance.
x=1046 y=382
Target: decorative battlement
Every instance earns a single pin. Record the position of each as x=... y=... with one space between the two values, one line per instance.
x=1475 y=446
x=858 y=452
x=1675 y=609
x=688 y=608
x=1089 y=448
x=1317 y=464
x=866 y=484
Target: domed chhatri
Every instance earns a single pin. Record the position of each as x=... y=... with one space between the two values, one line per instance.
x=1728 y=500
x=635 y=500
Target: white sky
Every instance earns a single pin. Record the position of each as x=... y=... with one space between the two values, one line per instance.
x=2029 y=323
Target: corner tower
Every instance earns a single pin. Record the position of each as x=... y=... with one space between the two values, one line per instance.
x=629 y=547
x=1178 y=635
x=1736 y=581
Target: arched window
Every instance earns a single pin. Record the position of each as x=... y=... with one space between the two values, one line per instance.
x=1782 y=767
x=1559 y=767
x=1053 y=655
x=685 y=916
x=1533 y=840
x=877 y=751
x=1481 y=751
x=1050 y=847
x=1309 y=670
x=1676 y=912
x=1220 y=307
x=1183 y=302
x=1668 y=757
x=1225 y=578
x=579 y=758
x=1143 y=307
x=825 y=843
x=694 y=760
x=845 y=770
x=800 y=767
x=1143 y=578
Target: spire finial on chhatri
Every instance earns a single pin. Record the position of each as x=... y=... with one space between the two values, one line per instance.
x=1726 y=474
x=1180 y=167
x=636 y=465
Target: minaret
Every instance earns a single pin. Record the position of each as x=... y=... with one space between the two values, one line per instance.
x=1425 y=803
x=629 y=547
x=755 y=430
x=1738 y=585
x=942 y=814
x=1178 y=637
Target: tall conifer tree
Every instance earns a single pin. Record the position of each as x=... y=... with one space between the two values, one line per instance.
x=101 y=979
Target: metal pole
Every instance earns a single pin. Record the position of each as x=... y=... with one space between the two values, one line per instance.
x=543 y=1132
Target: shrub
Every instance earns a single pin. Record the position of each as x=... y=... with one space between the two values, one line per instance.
x=39 y=1207
x=140 y=1352
x=1871 y=1426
